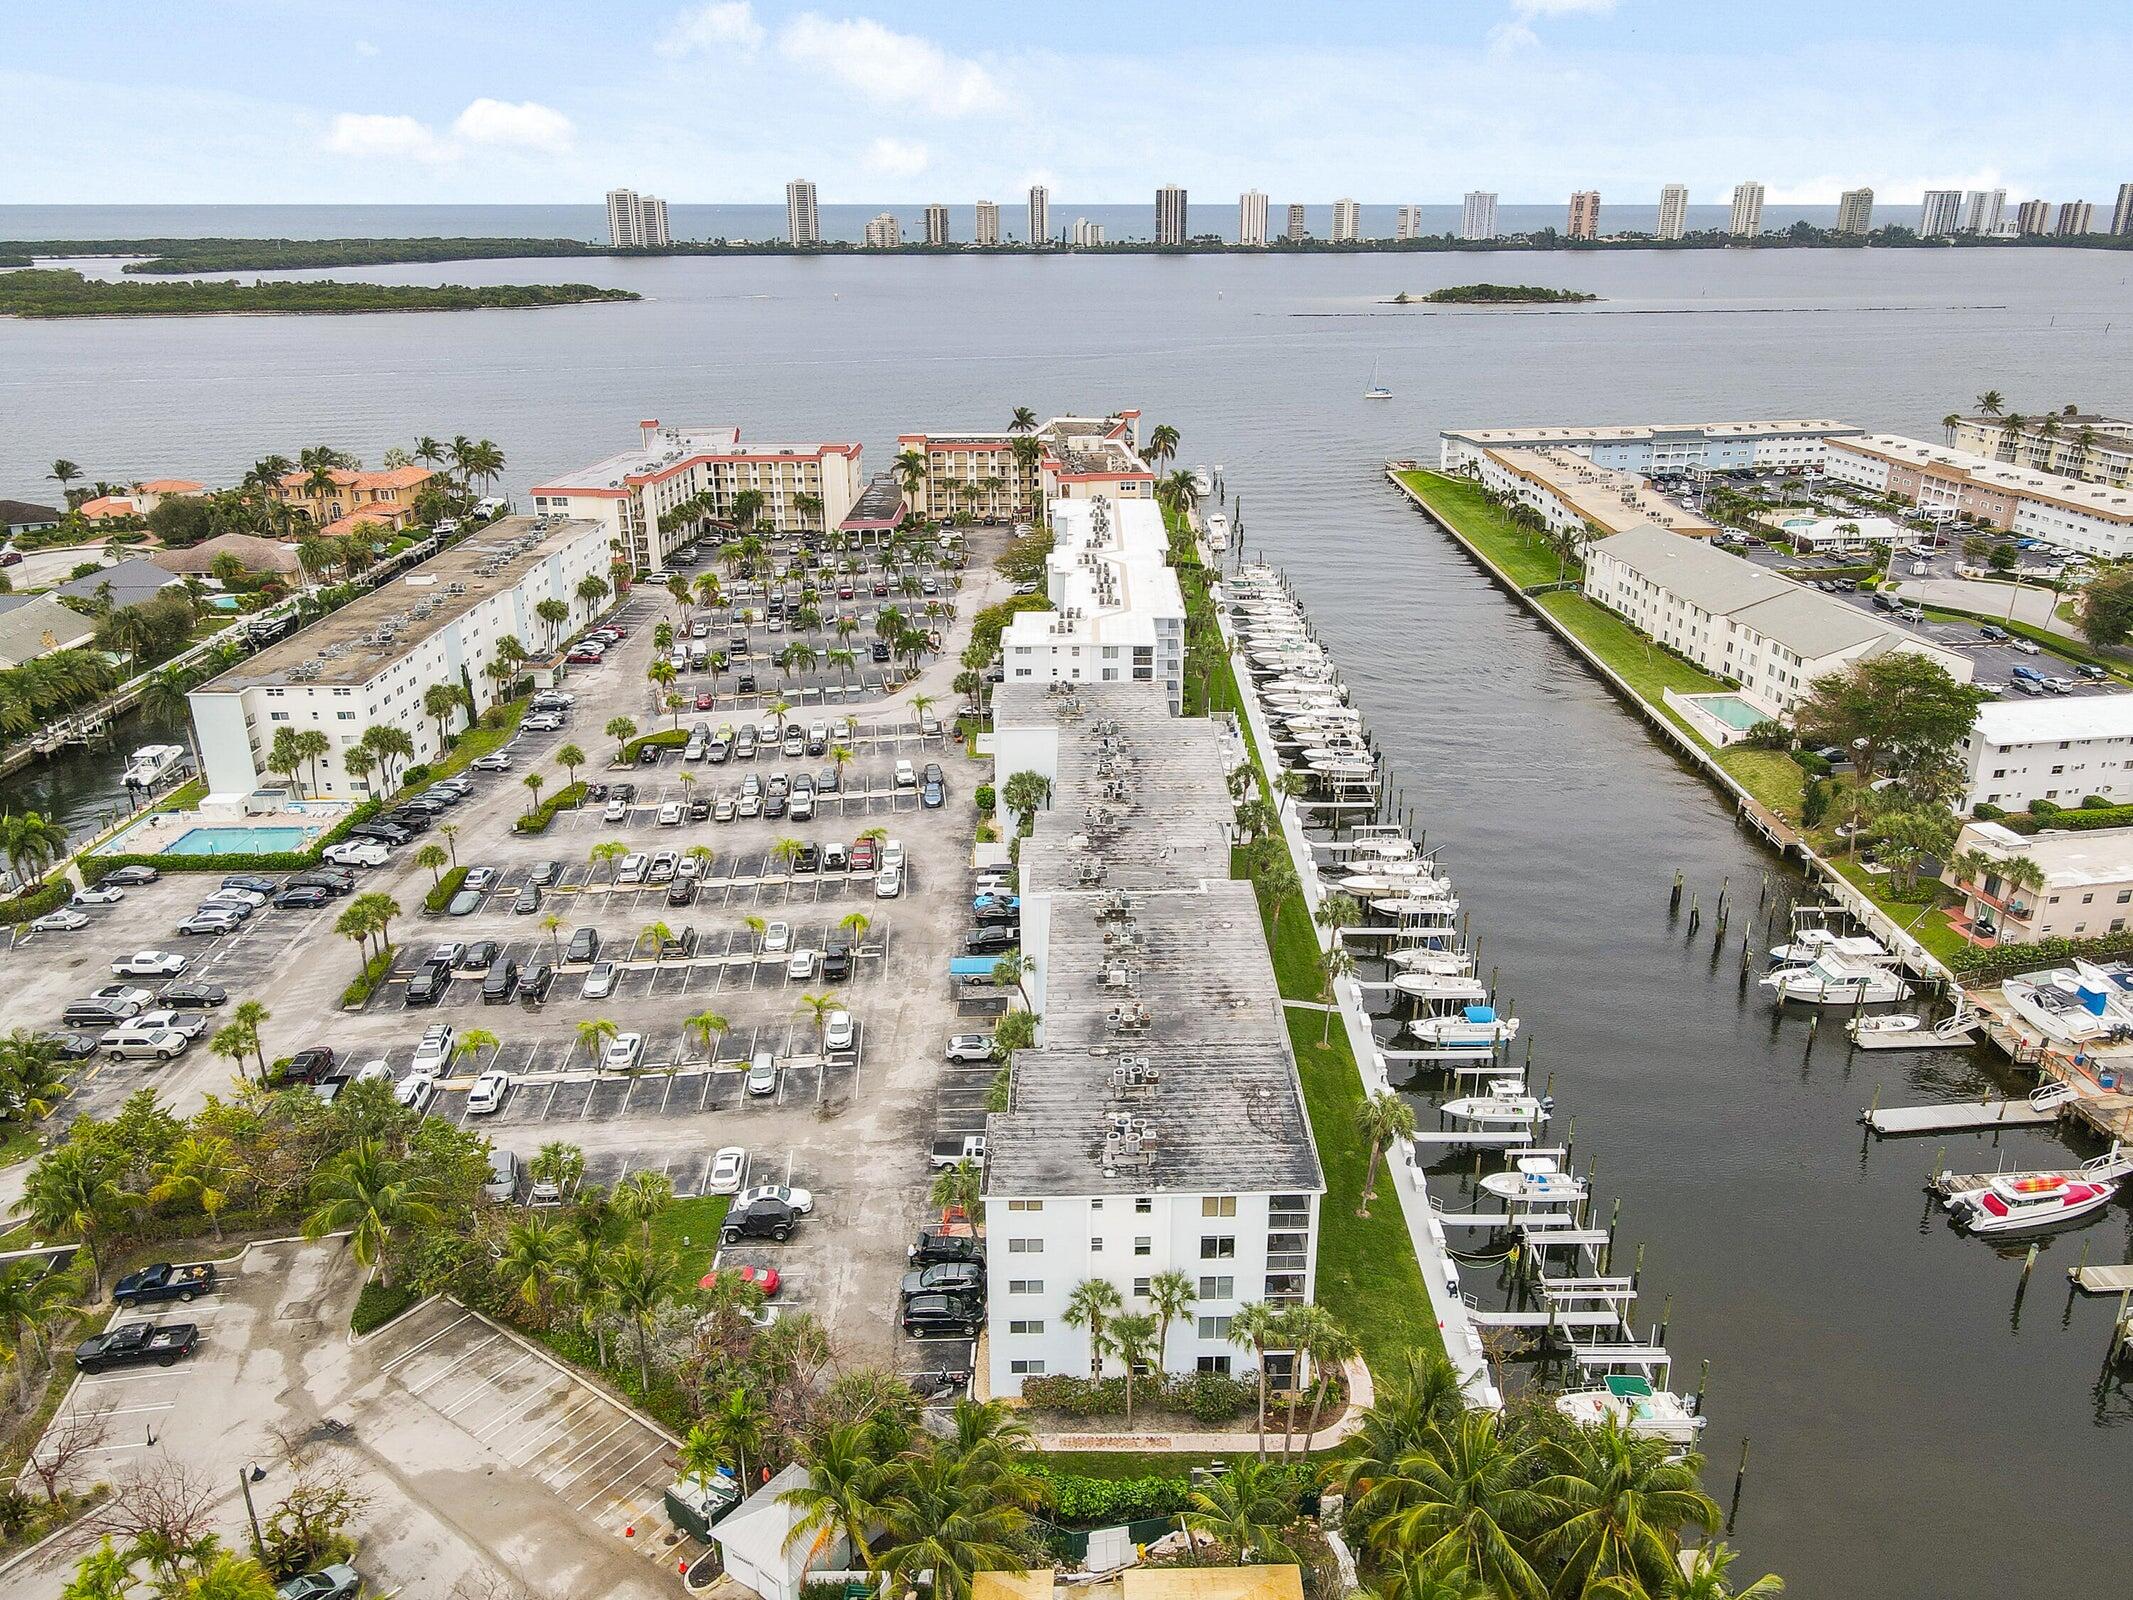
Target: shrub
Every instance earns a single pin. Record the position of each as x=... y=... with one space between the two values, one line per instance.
x=2096 y=802
x=378 y=1305
x=441 y=894
x=538 y=819
x=664 y=739
x=36 y=902
x=366 y=982
x=985 y=797
x=1814 y=803
x=1985 y=811
x=1811 y=763
x=415 y=774
x=988 y=834
x=2043 y=808
x=1210 y=1396
x=2029 y=822
x=1103 y=1502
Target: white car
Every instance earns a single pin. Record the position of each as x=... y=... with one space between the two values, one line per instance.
x=839 y=1031
x=134 y=1041
x=777 y=938
x=616 y=811
x=543 y=722
x=499 y=762
x=892 y=853
x=60 y=921
x=488 y=1093
x=149 y=964
x=230 y=894
x=97 y=897
x=888 y=883
x=623 y=1052
x=189 y=1023
x=633 y=868
x=906 y=775
x=800 y=1200
x=728 y=1167
x=2025 y=646
x=670 y=814
x=416 y=1092
x=434 y=1053
x=356 y=853
x=802 y=964
x=377 y=1070
x=600 y=980
x=970 y=1047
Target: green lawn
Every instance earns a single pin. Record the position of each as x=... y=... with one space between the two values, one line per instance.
x=1931 y=929
x=1772 y=776
x=476 y=742
x=690 y=1228
x=1523 y=556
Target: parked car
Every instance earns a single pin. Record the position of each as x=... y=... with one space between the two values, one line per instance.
x=864 y=858
x=301 y=897
x=777 y=938
x=356 y=853
x=888 y=883
x=496 y=761
x=487 y=1095
x=533 y=982
x=623 y=1052
x=837 y=958
x=192 y=996
x=765 y=1218
x=600 y=980
x=96 y=895
x=164 y=1282
x=434 y=1053
x=946 y=1244
x=839 y=1031
x=965 y=1278
x=133 y=1042
x=63 y=921
x=500 y=983
x=415 y=1092
x=337 y=1582
x=190 y=1023
x=527 y=900
x=309 y=1065
x=584 y=945
x=801 y=1200
x=728 y=1167
x=131 y=877
x=942 y=1316
x=464 y=904
x=762 y=1074
x=428 y=983
x=970 y=1047
x=801 y=965
x=906 y=775
x=149 y=964
x=135 y=1344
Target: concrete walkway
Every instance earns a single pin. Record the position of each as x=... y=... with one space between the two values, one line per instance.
x=1361 y=1396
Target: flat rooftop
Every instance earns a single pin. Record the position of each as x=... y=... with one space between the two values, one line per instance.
x=352 y=645
x=2069 y=858
x=1630 y=433
x=2051 y=718
x=668 y=447
x=2094 y=499
x=1612 y=499
x=880 y=505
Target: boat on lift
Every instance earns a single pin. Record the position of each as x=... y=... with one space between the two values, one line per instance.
x=1807 y=943
x=1469 y=1028
x=1201 y=481
x=1631 y=1403
x=1444 y=963
x=1409 y=907
x=1837 y=980
x=1443 y=988
x=1535 y=1181
x=1505 y=1104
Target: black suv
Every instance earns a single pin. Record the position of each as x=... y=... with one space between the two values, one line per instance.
x=837 y=960
x=681 y=892
x=942 y=1316
x=383 y=832
x=990 y=940
x=533 y=982
x=500 y=982
x=309 y=1066
x=766 y=1218
x=933 y=1246
x=428 y=984
x=946 y=1277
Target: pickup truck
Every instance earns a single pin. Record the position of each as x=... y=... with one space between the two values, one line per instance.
x=135 y=1344
x=165 y=1281
x=957 y=1148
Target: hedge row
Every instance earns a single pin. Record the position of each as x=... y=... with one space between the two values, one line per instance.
x=441 y=895
x=49 y=896
x=2007 y=959
x=367 y=981
x=2077 y=821
x=537 y=820
x=1204 y=1396
x=664 y=739
x=1082 y=1502
x=378 y=1305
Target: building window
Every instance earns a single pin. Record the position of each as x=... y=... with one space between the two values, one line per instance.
x=1144 y=1205
x=1143 y=1245
x=1218 y=1205
x=1214 y=1327
x=1096 y=1246
x=1140 y=1288
x=1213 y=1364
x=1027 y=1326
x=1218 y=1247
x=1025 y=1247
x=1025 y=1286
x=1025 y=1205
x=1026 y=1369
x=1223 y=1288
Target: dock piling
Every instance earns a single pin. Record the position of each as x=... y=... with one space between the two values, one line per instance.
x=1673 y=902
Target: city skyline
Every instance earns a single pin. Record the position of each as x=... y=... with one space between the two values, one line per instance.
x=899 y=103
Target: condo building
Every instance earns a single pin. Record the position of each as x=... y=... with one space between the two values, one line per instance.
x=803 y=226
x=1585 y=214
x=1117 y=613
x=883 y=232
x=1296 y=232
x=636 y=221
x=996 y=477
x=1747 y=219
x=1407 y=223
x=1855 y=212
x=1347 y=222
x=2033 y=218
x=1088 y=235
x=1663 y=450
x=2076 y=219
x=937 y=225
x=2122 y=212
x=368 y=664
x=2061 y=748
x=1982 y=209
x=1040 y=214
x=644 y=498
x=988 y=223
x=1477 y=217
x=2091 y=519
x=1251 y=219
x=2088 y=445
x=1170 y=215
x=1940 y=213
x=1673 y=211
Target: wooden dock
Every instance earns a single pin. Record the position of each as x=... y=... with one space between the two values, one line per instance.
x=1960 y=1117
x=2103 y=1280
x=1495 y=1137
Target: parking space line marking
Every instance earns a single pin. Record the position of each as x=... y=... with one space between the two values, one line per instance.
x=582 y=1400
x=453 y=1366
x=485 y=1383
x=564 y=1471
x=619 y=1450
x=605 y=1488
x=511 y=1413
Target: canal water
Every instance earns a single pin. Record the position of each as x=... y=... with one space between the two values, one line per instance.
x=1920 y=1428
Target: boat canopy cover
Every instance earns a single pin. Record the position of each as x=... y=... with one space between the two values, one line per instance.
x=2093 y=1001
x=1626 y=1386
x=1481 y=1013
x=970 y=966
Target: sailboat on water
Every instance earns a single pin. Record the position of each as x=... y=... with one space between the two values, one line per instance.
x=1376 y=391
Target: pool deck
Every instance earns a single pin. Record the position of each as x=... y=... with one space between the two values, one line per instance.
x=165 y=832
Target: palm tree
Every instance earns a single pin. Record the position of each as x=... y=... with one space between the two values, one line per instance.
x=1332 y=1348
x=596 y=1035
x=473 y=1042
x=948 y=1512
x=558 y=1162
x=1171 y=1296
x=910 y=470
x=1133 y=1337
x=1252 y=1327
x=1702 y=1576
x=642 y=1196
x=640 y=1277
x=1246 y=1511
x=31 y=844
x=1990 y=402
x=840 y=1497
x=439 y=702
x=1024 y=421
x=533 y=782
x=433 y=857
x=608 y=851
x=532 y=1259
x=1090 y=1306
x=1335 y=963
x=1463 y=1500
x=72 y=1192
x=570 y=758
x=622 y=730
x=960 y=1188
x=1382 y=1118
x=657 y=934
x=374 y=1197
x=591 y=1290
x=1620 y=1506
x=63 y=473
x=34 y=1302
x=817 y=1008
x=1162 y=442
x=706 y=1026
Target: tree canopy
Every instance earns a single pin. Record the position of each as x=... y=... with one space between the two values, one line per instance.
x=1899 y=715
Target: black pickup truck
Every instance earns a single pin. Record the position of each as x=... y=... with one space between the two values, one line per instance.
x=165 y=1280
x=135 y=1344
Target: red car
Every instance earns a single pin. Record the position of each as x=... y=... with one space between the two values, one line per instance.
x=862 y=855
x=705 y=701
x=764 y=1278
x=584 y=658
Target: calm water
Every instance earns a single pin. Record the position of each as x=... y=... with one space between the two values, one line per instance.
x=1917 y=1430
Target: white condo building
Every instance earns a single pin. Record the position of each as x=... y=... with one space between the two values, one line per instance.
x=1251 y=218
x=1737 y=620
x=1407 y=223
x=1296 y=232
x=1117 y=613
x=368 y=664
x=937 y=225
x=1747 y=218
x=1940 y=213
x=2062 y=748
x=1477 y=217
x=1347 y=222
x=983 y=473
x=1855 y=211
x=1087 y=235
x=2122 y=212
x=2091 y=519
x=1982 y=210
x=635 y=494
x=637 y=221
x=2076 y=218
x=803 y=224
x=988 y=224
x=1040 y=214
x=1673 y=211
x=883 y=232
x=1170 y=223
x=1657 y=450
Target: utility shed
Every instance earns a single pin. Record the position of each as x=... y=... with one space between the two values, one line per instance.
x=752 y=1541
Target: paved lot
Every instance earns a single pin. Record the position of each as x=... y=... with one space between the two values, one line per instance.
x=480 y=1456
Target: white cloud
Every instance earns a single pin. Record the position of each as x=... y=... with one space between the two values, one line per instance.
x=890 y=68
x=1508 y=38
x=526 y=123
x=896 y=158
x=1562 y=8
x=722 y=25
x=363 y=47
x=393 y=138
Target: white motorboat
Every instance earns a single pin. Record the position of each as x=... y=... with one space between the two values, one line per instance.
x=1445 y=963
x=1201 y=481
x=1410 y=908
x=151 y=764
x=2071 y=1005
x=1807 y=943
x=1445 y=988
x=1218 y=533
x=1534 y=1181
x=1632 y=1403
x=2019 y=1202
x=1415 y=886
x=1470 y=1028
x=1505 y=1105
x=1834 y=980
x=1902 y=1031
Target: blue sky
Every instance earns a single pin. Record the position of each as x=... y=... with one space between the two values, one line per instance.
x=540 y=101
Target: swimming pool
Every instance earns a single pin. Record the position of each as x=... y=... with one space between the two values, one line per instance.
x=237 y=841
x=1730 y=709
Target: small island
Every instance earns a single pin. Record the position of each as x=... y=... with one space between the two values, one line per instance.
x=58 y=292
x=1494 y=294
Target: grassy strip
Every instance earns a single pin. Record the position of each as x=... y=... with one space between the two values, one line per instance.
x=538 y=819
x=1929 y=897
x=367 y=981
x=186 y=797
x=474 y=743
x=1524 y=557
x=690 y=1229
x=663 y=739
x=440 y=895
